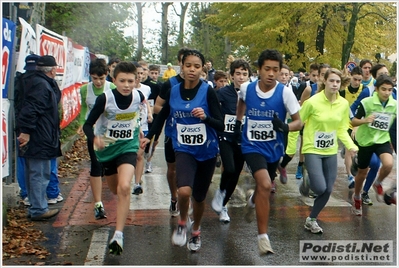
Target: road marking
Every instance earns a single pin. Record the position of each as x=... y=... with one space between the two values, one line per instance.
x=96 y=254
x=156 y=193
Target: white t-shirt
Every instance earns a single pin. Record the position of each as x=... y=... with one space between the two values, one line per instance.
x=146 y=90
x=290 y=102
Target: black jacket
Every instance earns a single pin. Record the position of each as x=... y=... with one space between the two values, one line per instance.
x=22 y=83
x=39 y=117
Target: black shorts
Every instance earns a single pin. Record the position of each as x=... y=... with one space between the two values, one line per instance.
x=365 y=153
x=169 y=151
x=195 y=174
x=111 y=167
x=256 y=162
x=96 y=169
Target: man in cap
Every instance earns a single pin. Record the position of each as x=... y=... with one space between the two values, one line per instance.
x=170 y=72
x=22 y=83
x=39 y=138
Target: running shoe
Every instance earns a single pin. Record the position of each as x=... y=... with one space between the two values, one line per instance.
x=304 y=188
x=179 y=236
x=148 y=167
x=273 y=190
x=283 y=174
x=299 y=172
x=99 y=212
x=26 y=201
x=116 y=245
x=173 y=209
x=137 y=189
x=311 y=225
x=223 y=216
x=194 y=244
x=53 y=201
x=366 y=199
x=351 y=182
x=390 y=196
x=217 y=201
x=250 y=214
x=379 y=192
x=264 y=246
x=357 y=206
x=312 y=194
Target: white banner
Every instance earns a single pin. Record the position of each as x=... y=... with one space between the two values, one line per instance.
x=76 y=64
x=350 y=251
x=51 y=43
x=27 y=44
x=5 y=155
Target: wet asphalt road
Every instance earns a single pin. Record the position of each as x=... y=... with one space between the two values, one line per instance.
x=75 y=238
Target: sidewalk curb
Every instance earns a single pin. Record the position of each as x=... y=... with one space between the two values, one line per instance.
x=67 y=145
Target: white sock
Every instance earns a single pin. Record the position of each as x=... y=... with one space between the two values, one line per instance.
x=98 y=204
x=263 y=235
x=118 y=234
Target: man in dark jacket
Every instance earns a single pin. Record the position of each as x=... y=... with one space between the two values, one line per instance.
x=39 y=138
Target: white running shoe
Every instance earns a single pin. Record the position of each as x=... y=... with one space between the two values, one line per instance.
x=250 y=214
x=311 y=225
x=217 y=201
x=116 y=245
x=26 y=201
x=223 y=216
x=148 y=167
x=264 y=246
x=179 y=237
x=52 y=201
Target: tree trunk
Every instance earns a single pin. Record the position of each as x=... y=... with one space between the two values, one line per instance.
x=227 y=47
x=165 y=33
x=38 y=16
x=321 y=30
x=139 y=52
x=180 y=37
x=350 y=37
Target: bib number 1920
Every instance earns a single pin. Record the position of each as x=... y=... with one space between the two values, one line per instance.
x=322 y=144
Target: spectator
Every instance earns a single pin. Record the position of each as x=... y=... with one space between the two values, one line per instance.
x=39 y=136
x=22 y=82
x=170 y=72
x=211 y=71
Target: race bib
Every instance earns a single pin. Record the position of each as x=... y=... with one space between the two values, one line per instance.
x=121 y=130
x=192 y=135
x=324 y=140
x=260 y=130
x=229 y=123
x=381 y=121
